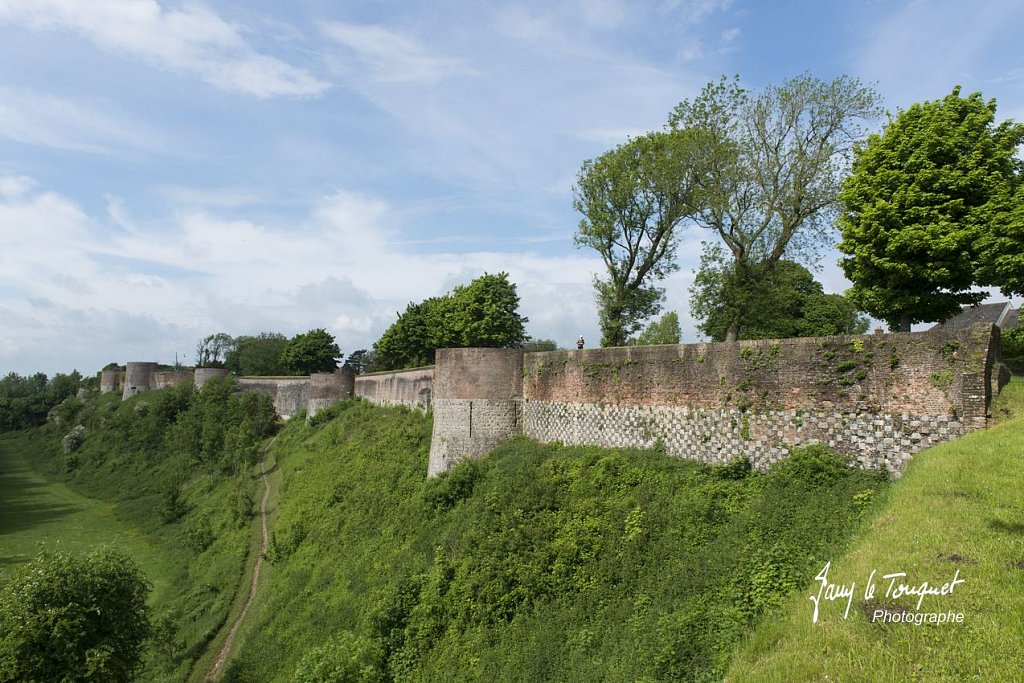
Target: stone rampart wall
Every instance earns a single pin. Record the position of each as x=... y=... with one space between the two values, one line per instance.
x=876 y=398
x=289 y=394
x=409 y=388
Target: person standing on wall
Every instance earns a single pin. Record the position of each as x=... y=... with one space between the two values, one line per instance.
x=579 y=343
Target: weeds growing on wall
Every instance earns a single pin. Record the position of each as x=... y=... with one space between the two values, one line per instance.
x=536 y=563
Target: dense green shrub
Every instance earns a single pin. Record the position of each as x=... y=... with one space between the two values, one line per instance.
x=74 y=619
x=346 y=658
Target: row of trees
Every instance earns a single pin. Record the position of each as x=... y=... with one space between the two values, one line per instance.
x=26 y=401
x=270 y=353
x=933 y=207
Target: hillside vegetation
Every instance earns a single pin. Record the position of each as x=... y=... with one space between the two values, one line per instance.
x=959 y=508
x=172 y=469
x=536 y=563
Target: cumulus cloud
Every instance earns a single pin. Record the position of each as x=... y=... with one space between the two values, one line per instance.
x=172 y=281
x=189 y=39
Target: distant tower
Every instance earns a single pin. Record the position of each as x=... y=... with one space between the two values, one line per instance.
x=139 y=376
x=110 y=380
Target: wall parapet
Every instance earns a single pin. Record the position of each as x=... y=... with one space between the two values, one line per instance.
x=412 y=388
x=875 y=398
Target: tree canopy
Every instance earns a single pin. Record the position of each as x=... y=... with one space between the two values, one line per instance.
x=74 y=618
x=933 y=207
x=484 y=313
x=26 y=401
x=663 y=331
x=789 y=303
x=212 y=350
x=771 y=165
x=359 y=362
x=260 y=355
x=313 y=351
x=632 y=199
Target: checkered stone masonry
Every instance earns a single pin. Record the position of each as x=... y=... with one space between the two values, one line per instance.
x=877 y=399
x=470 y=428
x=717 y=436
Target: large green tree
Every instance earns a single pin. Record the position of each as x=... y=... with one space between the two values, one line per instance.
x=770 y=166
x=663 y=331
x=73 y=619
x=484 y=313
x=933 y=208
x=789 y=303
x=632 y=199
x=260 y=355
x=313 y=351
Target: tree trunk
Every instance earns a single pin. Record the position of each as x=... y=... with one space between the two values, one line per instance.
x=904 y=322
x=733 y=333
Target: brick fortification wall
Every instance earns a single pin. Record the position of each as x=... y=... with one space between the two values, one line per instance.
x=289 y=394
x=878 y=399
x=409 y=388
x=477 y=403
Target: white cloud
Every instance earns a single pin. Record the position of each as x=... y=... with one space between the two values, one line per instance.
x=167 y=283
x=390 y=57
x=48 y=120
x=190 y=39
x=15 y=186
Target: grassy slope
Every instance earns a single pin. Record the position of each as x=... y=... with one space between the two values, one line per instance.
x=36 y=512
x=537 y=563
x=959 y=506
x=123 y=470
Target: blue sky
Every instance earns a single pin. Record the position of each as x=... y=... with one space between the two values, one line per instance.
x=172 y=169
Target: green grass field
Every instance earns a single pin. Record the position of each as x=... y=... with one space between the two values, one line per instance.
x=959 y=508
x=37 y=514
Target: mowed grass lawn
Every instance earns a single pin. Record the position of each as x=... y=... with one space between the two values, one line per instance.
x=37 y=514
x=958 y=511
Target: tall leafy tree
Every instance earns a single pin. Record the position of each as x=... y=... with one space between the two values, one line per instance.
x=483 y=313
x=359 y=362
x=789 y=303
x=933 y=208
x=313 y=351
x=632 y=199
x=74 y=618
x=770 y=170
x=411 y=340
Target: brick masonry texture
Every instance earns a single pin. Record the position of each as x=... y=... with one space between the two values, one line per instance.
x=328 y=388
x=876 y=398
